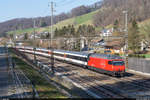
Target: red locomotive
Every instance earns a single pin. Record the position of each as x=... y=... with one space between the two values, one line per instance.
x=106 y=63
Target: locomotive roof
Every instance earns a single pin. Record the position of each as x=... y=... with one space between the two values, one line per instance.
x=42 y=49
x=82 y=54
x=27 y=47
x=106 y=56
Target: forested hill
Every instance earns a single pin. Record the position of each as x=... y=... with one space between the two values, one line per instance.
x=108 y=12
x=24 y=23
x=113 y=10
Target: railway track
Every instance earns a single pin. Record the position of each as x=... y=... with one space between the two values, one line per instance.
x=22 y=85
x=16 y=80
x=94 y=87
x=100 y=84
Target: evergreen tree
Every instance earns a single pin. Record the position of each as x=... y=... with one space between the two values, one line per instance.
x=48 y=35
x=79 y=31
x=134 y=40
x=116 y=25
x=69 y=31
x=64 y=30
x=56 y=32
x=72 y=30
x=84 y=30
x=11 y=36
x=26 y=36
x=43 y=24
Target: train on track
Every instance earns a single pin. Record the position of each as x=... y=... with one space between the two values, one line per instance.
x=103 y=63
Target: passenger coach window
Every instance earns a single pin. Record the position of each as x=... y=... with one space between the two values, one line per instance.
x=110 y=62
x=83 y=59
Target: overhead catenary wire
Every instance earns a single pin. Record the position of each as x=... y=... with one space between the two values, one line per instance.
x=63 y=2
x=46 y=11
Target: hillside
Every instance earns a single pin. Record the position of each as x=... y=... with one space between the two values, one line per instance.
x=109 y=12
x=27 y=23
x=76 y=21
x=145 y=29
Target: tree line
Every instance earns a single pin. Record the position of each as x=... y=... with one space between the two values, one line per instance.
x=70 y=31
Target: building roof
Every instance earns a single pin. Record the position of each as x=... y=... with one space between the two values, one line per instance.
x=115 y=44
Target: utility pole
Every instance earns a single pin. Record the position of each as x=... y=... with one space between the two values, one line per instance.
x=52 y=10
x=126 y=38
x=14 y=37
x=51 y=36
x=34 y=42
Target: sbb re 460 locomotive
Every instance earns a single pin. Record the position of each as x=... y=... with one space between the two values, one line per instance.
x=104 y=63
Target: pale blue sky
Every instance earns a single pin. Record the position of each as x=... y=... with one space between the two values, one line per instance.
x=10 y=9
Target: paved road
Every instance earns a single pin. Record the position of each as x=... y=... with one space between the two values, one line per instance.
x=5 y=81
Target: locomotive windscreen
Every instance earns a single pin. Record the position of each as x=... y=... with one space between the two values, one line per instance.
x=118 y=63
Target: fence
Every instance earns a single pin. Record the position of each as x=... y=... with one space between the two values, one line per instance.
x=139 y=64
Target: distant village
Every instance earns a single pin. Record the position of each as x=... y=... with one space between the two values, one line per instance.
x=104 y=43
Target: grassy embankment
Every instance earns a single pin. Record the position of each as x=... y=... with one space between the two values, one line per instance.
x=141 y=55
x=44 y=88
x=146 y=55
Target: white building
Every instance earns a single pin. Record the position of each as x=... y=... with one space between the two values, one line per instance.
x=107 y=32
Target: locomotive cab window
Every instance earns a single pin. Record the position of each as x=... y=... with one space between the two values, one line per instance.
x=110 y=62
x=117 y=63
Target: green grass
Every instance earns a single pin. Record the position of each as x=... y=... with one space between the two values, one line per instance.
x=64 y=23
x=85 y=19
x=29 y=30
x=140 y=55
x=44 y=88
x=146 y=55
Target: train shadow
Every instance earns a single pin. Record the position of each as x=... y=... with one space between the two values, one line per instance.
x=126 y=74
x=62 y=69
x=139 y=88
